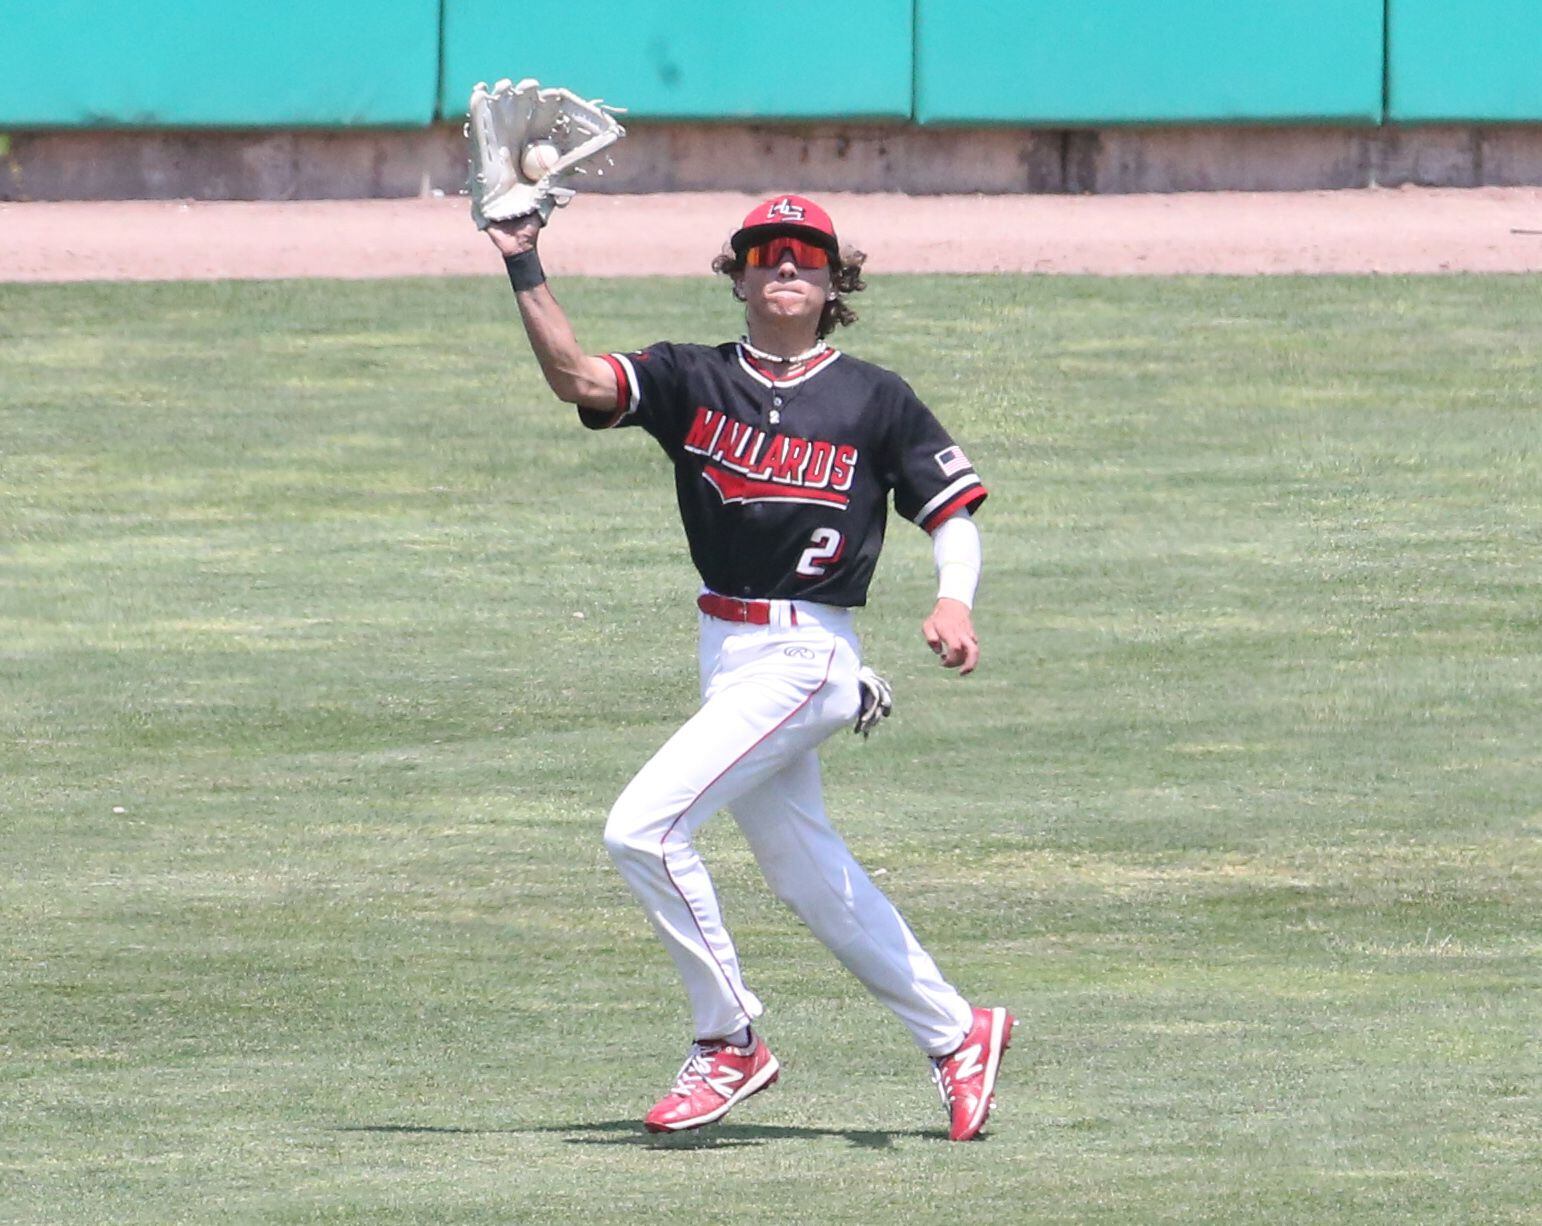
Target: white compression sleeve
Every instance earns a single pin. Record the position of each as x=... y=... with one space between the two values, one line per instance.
x=956 y=550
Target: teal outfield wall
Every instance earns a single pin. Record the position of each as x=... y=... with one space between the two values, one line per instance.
x=1031 y=63
x=173 y=63
x=1475 y=60
x=1096 y=62
x=218 y=63
x=695 y=59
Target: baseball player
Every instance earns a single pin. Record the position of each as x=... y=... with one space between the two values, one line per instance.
x=785 y=452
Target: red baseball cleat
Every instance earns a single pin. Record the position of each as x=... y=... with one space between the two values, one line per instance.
x=713 y=1078
x=967 y=1078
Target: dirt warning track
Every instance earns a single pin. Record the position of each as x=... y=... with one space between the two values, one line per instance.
x=1404 y=230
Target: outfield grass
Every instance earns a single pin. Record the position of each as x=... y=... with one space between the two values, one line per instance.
x=326 y=640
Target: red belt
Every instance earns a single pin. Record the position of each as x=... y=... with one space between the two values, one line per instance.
x=726 y=608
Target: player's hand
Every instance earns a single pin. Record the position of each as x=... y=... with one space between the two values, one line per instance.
x=949 y=631
x=516 y=235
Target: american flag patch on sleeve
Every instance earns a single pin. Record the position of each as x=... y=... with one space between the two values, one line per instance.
x=952 y=461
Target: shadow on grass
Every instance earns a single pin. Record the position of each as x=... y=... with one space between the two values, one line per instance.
x=630 y=1132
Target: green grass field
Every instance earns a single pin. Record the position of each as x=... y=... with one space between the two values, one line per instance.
x=327 y=638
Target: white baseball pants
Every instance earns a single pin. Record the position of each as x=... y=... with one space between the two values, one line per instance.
x=770 y=696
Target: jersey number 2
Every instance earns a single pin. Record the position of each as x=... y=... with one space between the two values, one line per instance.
x=825 y=546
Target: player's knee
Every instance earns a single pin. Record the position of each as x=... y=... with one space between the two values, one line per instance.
x=616 y=840
x=623 y=835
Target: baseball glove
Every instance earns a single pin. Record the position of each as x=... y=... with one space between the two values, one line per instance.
x=501 y=126
x=877 y=700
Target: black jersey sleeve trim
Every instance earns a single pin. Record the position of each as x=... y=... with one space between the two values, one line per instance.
x=626 y=395
x=967 y=500
x=949 y=499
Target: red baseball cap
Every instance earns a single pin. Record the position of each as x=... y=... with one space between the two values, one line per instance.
x=796 y=216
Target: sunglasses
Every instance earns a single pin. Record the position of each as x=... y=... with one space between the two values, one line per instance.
x=770 y=253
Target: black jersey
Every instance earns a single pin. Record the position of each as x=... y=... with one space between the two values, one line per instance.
x=783 y=483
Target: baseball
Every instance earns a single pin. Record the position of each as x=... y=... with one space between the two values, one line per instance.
x=538 y=158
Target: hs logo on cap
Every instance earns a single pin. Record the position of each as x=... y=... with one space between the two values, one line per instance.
x=786 y=210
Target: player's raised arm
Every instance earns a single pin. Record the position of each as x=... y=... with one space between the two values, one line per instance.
x=574 y=376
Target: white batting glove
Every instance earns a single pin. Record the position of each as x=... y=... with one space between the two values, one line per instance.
x=877 y=700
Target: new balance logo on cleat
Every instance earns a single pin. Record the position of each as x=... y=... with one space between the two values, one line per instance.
x=966 y=1078
x=712 y=1080
x=968 y=1062
x=724 y=1080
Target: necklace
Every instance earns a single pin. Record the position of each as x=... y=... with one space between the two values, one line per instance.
x=794 y=364
x=813 y=351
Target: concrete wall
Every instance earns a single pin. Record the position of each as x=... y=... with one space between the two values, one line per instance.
x=305 y=164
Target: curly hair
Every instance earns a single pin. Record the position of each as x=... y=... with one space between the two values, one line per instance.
x=845 y=279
